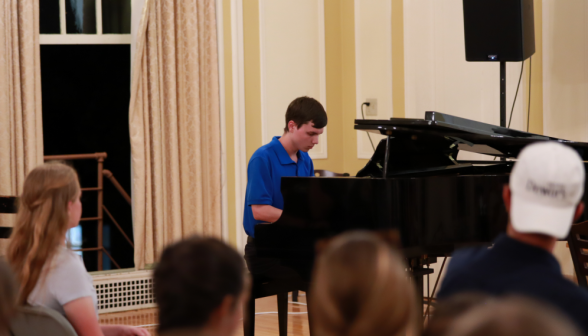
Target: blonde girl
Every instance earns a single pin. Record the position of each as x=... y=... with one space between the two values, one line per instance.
x=48 y=273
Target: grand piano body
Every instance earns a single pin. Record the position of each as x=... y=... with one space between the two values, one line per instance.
x=413 y=186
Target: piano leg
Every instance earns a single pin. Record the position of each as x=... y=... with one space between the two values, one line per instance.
x=249 y=317
x=283 y=313
x=418 y=272
x=295 y=296
x=308 y=297
x=418 y=280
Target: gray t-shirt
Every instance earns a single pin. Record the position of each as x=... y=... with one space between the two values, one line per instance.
x=65 y=280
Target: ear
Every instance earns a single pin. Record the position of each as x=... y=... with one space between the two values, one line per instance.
x=579 y=211
x=225 y=309
x=292 y=126
x=506 y=197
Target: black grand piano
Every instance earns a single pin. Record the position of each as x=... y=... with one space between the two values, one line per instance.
x=414 y=185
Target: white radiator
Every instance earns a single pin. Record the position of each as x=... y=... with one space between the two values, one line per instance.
x=124 y=291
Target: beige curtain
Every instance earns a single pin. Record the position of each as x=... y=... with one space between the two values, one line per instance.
x=175 y=126
x=21 y=128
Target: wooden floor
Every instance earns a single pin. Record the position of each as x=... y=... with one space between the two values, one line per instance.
x=266 y=318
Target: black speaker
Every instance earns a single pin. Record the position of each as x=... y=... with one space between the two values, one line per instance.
x=498 y=30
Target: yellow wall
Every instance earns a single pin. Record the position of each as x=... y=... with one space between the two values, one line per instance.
x=398 y=58
x=252 y=76
x=536 y=115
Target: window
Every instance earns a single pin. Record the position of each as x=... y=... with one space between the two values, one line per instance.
x=85 y=21
x=85 y=83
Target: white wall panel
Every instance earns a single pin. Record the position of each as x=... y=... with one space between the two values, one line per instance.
x=565 y=69
x=292 y=56
x=373 y=64
x=437 y=76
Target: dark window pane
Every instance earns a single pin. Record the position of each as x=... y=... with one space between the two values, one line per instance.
x=80 y=16
x=49 y=17
x=116 y=16
x=75 y=79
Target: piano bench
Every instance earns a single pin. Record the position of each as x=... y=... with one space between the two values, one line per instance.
x=261 y=289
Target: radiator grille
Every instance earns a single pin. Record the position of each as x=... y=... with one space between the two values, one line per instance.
x=124 y=291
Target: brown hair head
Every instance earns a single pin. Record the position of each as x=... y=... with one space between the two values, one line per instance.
x=512 y=316
x=305 y=109
x=450 y=309
x=360 y=287
x=41 y=223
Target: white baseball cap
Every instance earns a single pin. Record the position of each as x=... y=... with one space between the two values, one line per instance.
x=546 y=183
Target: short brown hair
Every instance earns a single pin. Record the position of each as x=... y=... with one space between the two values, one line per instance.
x=360 y=287
x=192 y=279
x=305 y=109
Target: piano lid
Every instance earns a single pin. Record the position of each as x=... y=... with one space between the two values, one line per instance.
x=464 y=134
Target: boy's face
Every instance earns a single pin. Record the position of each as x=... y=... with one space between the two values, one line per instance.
x=305 y=136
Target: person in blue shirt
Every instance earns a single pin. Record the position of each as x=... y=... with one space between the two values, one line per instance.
x=543 y=199
x=283 y=156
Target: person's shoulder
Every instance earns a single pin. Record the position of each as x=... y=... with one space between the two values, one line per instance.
x=66 y=260
x=262 y=152
x=461 y=274
x=470 y=254
x=463 y=259
x=573 y=290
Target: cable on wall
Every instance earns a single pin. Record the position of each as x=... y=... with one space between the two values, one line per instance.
x=516 y=94
x=368 y=133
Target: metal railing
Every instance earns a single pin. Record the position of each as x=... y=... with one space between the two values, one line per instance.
x=99 y=219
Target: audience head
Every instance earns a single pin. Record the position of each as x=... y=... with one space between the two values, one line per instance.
x=512 y=316
x=48 y=207
x=545 y=188
x=448 y=310
x=360 y=287
x=7 y=297
x=200 y=283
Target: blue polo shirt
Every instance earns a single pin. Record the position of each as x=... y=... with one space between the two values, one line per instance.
x=266 y=168
x=512 y=267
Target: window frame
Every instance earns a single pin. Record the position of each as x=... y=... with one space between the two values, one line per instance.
x=98 y=38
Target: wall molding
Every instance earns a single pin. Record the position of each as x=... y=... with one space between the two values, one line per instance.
x=223 y=118
x=239 y=118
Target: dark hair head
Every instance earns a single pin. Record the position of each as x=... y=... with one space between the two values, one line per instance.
x=305 y=109
x=193 y=278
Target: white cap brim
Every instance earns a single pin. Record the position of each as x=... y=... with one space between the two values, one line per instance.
x=530 y=217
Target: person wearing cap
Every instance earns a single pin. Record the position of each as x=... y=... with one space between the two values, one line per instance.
x=543 y=199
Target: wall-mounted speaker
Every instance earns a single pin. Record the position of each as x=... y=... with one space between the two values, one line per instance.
x=498 y=30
